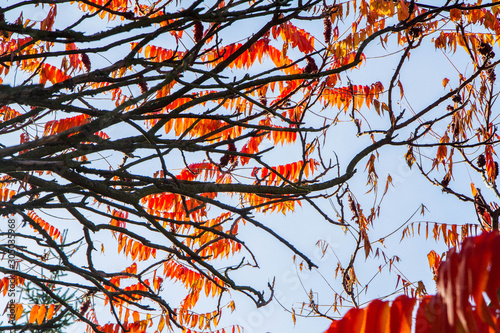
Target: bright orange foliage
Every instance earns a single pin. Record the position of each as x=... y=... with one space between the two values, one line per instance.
x=50 y=229
x=172 y=128
x=57 y=126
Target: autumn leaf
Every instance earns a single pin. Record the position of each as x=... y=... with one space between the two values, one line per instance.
x=41 y=314
x=58 y=126
x=52 y=74
x=6 y=194
x=33 y=316
x=455 y=14
x=366 y=243
x=50 y=311
x=434 y=262
x=442 y=151
x=379 y=316
x=401 y=88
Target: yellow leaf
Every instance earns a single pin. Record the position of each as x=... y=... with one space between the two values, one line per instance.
x=445 y=82
x=432 y=258
x=474 y=191
x=161 y=325
x=232 y=306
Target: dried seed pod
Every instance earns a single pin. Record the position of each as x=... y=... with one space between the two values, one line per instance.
x=348 y=280
x=484 y=49
x=455 y=128
x=415 y=32
x=86 y=61
x=481 y=161
x=231 y=147
x=353 y=208
x=311 y=65
x=482 y=211
x=143 y=85
x=226 y=159
x=409 y=157
x=446 y=180
x=327 y=33
x=491 y=75
x=457 y=98
x=198 y=31
x=263 y=100
x=84 y=307
x=129 y=15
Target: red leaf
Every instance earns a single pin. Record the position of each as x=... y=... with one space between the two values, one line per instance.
x=353 y=321
x=377 y=317
x=401 y=311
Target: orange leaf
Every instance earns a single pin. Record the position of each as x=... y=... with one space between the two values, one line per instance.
x=41 y=314
x=51 y=230
x=52 y=74
x=19 y=311
x=135 y=316
x=74 y=59
x=442 y=151
x=401 y=88
x=50 y=312
x=33 y=314
x=127 y=314
x=6 y=194
x=132 y=269
x=161 y=324
x=61 y=125
x=455 y=14
x=473 y=188
x=434 y=260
